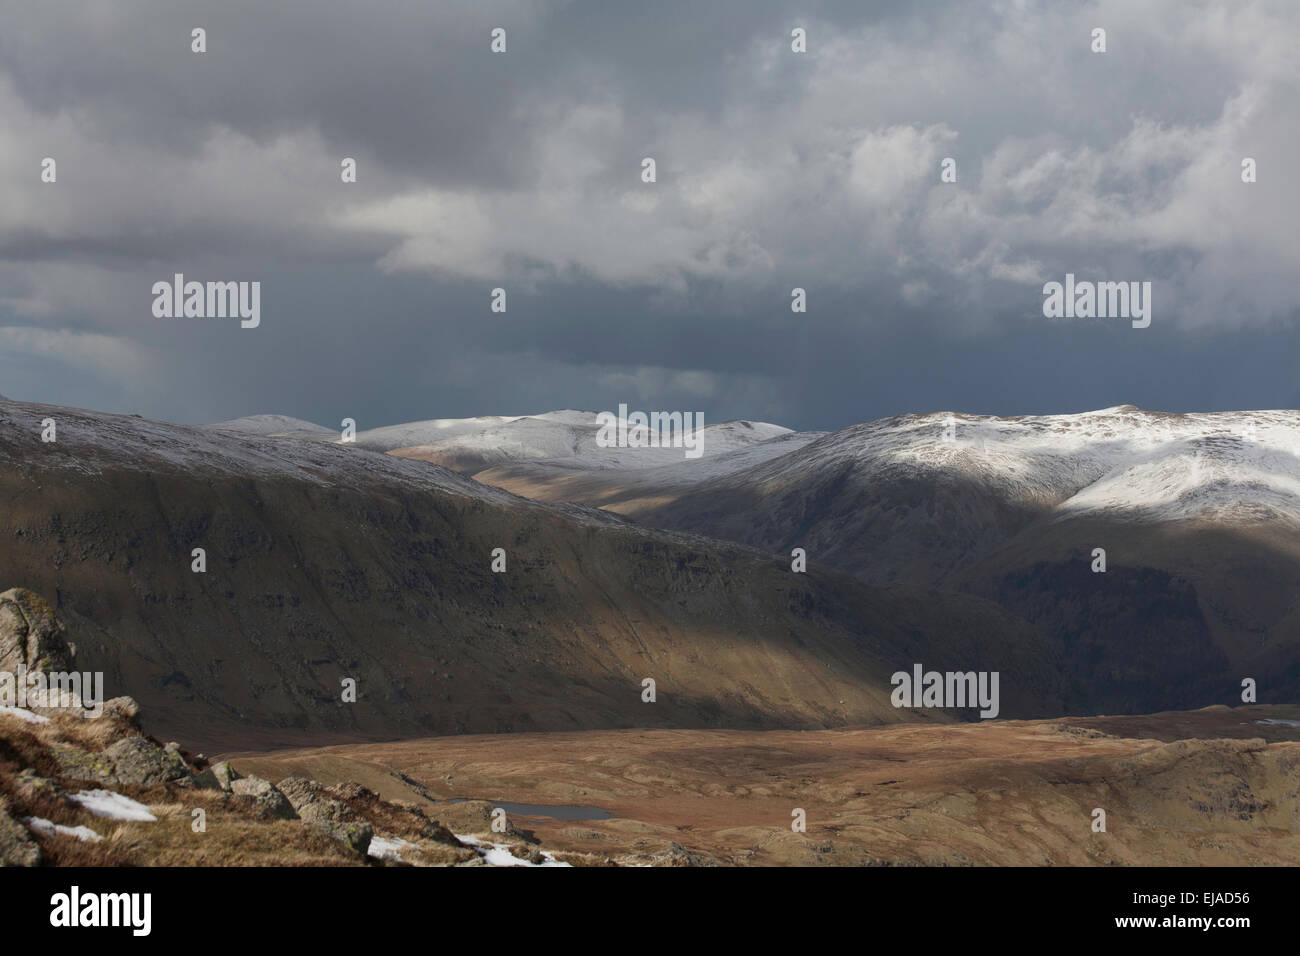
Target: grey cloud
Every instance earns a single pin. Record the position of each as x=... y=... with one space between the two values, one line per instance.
x=775 y=171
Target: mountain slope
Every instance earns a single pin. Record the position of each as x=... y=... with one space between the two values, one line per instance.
x=563 y=439
x=328 y=561
x=628 y=491
x=1197 y=514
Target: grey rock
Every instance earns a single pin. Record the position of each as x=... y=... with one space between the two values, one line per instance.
x=220 y=776
x=140 y=761
x=316 y=807
x=350 y=790
x=79 y=764
x=30 y=634
x=265 y=795
x=355 y=834
x=312 y=802
x=17 y=848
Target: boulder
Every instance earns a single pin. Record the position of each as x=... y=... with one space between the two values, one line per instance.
x=312 y=802
x=79 y=764
x=219 y=776
x=265 y=795
x=30 y=634
x=17 y=848
x=141 y=761
x=351 y=790
x=355 y=834
x=315 y=806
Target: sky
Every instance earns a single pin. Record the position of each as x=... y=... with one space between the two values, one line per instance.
x=523 y=170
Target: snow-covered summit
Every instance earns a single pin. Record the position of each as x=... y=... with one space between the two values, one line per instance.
x=1121 y=459
x=564 y=438
x=277 y=425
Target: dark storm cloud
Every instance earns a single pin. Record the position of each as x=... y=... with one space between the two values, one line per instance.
x=776 y=170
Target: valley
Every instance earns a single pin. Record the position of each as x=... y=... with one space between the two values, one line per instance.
x=1209 y=787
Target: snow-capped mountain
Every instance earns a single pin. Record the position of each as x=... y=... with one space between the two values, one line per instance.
x=275 y=425
x=1119 y=463
x=1122 y=460
x=565 y=438
x=1196 y=517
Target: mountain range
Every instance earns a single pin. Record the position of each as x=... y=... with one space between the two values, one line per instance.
x=959 y=542
x=328 y=561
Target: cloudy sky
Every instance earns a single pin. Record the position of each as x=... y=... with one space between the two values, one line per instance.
x=522 y=170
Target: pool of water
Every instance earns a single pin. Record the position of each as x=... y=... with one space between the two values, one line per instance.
x=556 y=811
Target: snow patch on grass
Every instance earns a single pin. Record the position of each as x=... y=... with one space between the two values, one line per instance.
x=41 y=825
x=24 y=715
x=114 y=806
x=498 y=854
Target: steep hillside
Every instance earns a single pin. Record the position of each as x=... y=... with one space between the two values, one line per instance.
x=327 y=562
x=1197 y=515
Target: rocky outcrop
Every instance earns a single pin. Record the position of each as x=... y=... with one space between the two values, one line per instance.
x=33 y=642
x=314 y=805
x=266 y=796
x=140 y=761
x=76 y=763
x=134 y=760
x=30 y=635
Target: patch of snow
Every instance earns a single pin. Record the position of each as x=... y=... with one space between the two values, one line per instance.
x=114 y=806
x=498 y=854
x=41 y=825
x=384 y=848
x=1279 y=721
x=24 y=715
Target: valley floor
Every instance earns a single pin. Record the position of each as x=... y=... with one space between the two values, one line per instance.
x=1218 y=786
